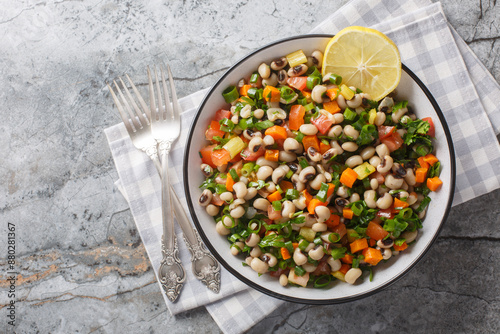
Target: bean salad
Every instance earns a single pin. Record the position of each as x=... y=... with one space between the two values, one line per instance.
x=309 y=179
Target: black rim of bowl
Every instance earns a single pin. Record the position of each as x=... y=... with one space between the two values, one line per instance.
x=286 y=297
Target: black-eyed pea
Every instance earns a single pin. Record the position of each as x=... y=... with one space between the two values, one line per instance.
x=384 y=202
x=256 y=252
x=237 y=212
x=287 y=157
x=350 y=146
x=396 y=116
x=341 y=102
x=282 y=77
x=336 y=149
x=307 y=174
x=279 y=63
x=317 y=253
x=317 y=93
x=422 y=213
x=317 y=181
x=252 y=240
x=258 y=113
x=206 y=170
x=297 y=70
x=379 y=118
x=288 y=209
x=354 y=197
x=354 y=161
x=319 y=227
x=355 y=102
x=264 y=162
x=279 y=173
x=264 y=172
x=310 y=220
x=248 y=260
x=370 y=197
x=259 y=266
x=309 y=267
x=283 y=280
x=212 y=210
x=334 y=264
x=352 y=275
x=382 y=150
x=410 y=236
x=308 y=129
x=342 y=192
x=393 y=182
x=251 y=193
x=367 y=153
x=314 y=155
x=412 y=198
x=374 y=183
x=270 y=259
x=298 y=257
x=271 y=81
x=221 y=229
x=300 y=203
x=264 y=71
x=271 y=187
x=385 y=243
x=291 y=145
x=375 y=161
x=240 y=189
x=255 y=144
x=226 y=196
x=237 y=247
x=317 y=58
x=205 y=198
x=322 y=213
x=338 y=118
x=410 y=177
x=386 y=253
x=385 y=164
x=335 y=131
x=261 y=204
x=350 y=131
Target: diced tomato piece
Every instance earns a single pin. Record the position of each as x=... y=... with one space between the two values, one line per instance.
x=206 y=155
x=323 y=123
x=299 y=83
x=385 y=131
x=214 y=131
x=220 y=157
x=272 y=214
x=297 y=113
x=221 y=114
x=252 y=156
x=277 y=273
x=386 y=213
x=432 y=128
x=393 y=142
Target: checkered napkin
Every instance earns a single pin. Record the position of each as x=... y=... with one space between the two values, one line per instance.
x=466 y=92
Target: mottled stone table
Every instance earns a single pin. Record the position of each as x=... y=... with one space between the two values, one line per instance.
x=82 y=266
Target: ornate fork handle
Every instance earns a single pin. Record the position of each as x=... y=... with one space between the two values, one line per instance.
x=204 y=266
x=172 y=274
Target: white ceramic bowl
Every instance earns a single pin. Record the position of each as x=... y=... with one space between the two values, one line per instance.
x=422 y=102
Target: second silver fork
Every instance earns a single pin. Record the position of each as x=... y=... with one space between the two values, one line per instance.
x=165 y=127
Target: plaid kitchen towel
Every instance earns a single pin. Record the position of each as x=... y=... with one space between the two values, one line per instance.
x=466 y=92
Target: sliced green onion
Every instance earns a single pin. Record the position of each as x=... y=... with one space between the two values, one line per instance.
x=232 y=220
x=335 y=79
x=357 y=208
x=312 y=81
x=230 y=94
x=234 y=175
x=289 y=174
x=299 y=137
x=303 y=163
x=349 y=114
x=257 y=229
x=333 y=237
x=245 y=123
x=291 y=194
x=277 y=205
x=264 y=125
x=254 y=77
x=303 y=244
x=318 y=241
x=299 y=271
x=322 y=281
x=247 y=168
x=309 y=106
x=338 y=253
x=226 y=125
x=323 y=192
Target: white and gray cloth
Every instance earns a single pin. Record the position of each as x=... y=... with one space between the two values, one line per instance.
x=466 y=92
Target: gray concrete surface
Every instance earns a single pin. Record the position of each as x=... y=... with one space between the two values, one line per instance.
x=82 y=266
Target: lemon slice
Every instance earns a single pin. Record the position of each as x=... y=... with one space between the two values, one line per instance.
x=364 y=58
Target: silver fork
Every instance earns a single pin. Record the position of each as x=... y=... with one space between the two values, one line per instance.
x=165 y=127
x=138 y=126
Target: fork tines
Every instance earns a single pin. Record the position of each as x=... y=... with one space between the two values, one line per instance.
x=160 y=111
